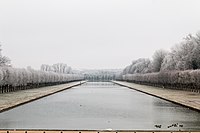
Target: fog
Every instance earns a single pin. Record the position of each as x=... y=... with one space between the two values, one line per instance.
x=92 y=34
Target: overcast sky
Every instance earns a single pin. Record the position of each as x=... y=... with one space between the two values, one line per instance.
x=92 y=33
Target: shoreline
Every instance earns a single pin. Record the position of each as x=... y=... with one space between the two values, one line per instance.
x=184 y=98
x=14 y=99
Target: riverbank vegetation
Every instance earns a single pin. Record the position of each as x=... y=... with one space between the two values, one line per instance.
x=178 y=68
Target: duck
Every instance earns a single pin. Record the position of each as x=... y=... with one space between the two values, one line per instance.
x=158 y=126
x=180 y=125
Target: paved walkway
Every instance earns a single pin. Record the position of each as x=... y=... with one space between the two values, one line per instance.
x=13 y=99
x=185 y=98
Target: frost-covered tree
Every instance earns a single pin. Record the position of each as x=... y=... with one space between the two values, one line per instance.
x=179 y=68
x=169 y=62
x=101 y=75
x=196 y=51
x=17 y=79
x=4 y=61
x=158 y=58
x=58 y=68
x=141 y=65
x=61 y=68
x=184 y=56
x=45 y=67
x=12 y=79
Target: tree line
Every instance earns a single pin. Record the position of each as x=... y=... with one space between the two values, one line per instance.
x=100 y=75
x=58 y=68
x=177 y=68
x=13 y=79
x=184 y=80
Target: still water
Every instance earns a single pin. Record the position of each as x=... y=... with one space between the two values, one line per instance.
x=100 y=105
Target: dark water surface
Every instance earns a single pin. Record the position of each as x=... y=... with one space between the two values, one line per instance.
x=100 y=105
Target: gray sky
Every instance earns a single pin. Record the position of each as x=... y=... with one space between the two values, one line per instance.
x=92 y=33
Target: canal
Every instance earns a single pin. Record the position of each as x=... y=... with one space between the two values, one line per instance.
x=99 y=106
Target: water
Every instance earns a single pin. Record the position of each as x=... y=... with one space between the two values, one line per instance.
x=100 y=105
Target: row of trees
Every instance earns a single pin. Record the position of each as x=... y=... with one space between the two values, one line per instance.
x=188 y=80
x=101 y=75
x=12 y=79
x=183 y=56
x=58 y=68
x=177 y=68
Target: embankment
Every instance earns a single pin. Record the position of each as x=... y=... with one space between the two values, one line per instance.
x=14 y=99
x=184 y=98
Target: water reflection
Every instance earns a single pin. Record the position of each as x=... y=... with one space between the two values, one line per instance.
x=100 y=105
